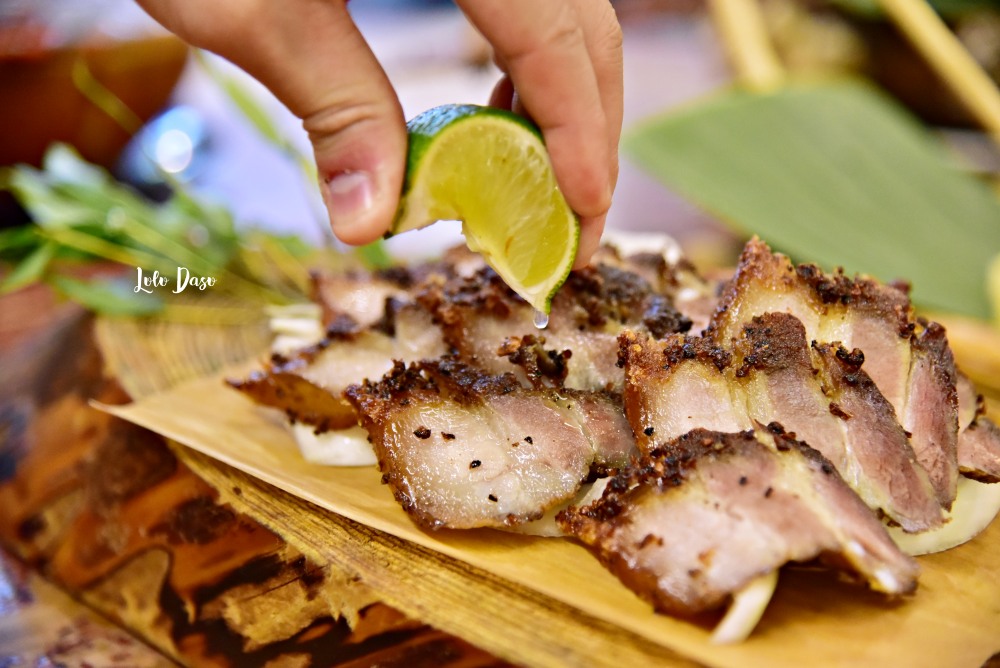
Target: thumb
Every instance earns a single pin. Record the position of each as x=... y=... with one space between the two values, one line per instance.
x=359 y=139
x=314 y=59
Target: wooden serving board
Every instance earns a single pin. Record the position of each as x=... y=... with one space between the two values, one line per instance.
x=815 y=620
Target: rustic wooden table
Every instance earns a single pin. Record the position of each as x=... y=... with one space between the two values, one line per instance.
x=212 y=567
x=136 y=540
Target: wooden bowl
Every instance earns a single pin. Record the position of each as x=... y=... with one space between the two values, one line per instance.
x=41 y=103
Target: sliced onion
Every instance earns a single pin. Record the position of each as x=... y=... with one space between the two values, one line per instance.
x=294 y=327
x=546 y=526
x=975 y=506
x=633 y=243
x=339 y=447
x=746 y=610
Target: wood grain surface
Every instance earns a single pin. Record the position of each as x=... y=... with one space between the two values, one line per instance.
x=247 y=555
x=953 y=620
x=107 y=511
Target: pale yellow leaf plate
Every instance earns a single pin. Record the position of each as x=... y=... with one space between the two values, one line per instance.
x=814 y=620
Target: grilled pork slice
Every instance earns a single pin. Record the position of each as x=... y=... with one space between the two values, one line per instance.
x=859 y=313
x=308 y=385
x=979 y=451
x=707 y=513
x=479 y=314
x=359 y=295
x=676 y=385
x=464 y=449
x=666 y=270
x=929 y=411
x=978 y=437
x=908 y=360
x=820 y=393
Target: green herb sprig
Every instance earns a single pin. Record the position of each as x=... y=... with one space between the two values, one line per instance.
x=82 y=214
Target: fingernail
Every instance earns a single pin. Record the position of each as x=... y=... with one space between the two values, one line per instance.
x=349 y=196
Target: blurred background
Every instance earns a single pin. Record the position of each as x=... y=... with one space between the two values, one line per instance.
x=101 y=76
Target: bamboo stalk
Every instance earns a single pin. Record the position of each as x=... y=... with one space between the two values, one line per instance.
x=102 y=98
x=743 y=32
x=130 y=257
x=290 y=267
x=945 y=54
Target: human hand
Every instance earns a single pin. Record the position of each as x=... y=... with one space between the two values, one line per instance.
x=563 y=59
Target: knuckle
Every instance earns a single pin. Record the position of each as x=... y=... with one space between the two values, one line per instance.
x=563 y=33
x=613 y=36
x=339 y=116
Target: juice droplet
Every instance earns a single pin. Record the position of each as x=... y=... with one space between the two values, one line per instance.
x=541 y=319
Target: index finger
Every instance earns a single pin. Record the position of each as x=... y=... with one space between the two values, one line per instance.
x=542 y=45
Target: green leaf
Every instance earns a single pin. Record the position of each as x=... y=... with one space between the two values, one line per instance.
x=374 y=255
x=291 y=243
x=947 y=8
x=835 y=174
x=36 y=195
x=109 y=297
x=30 y=269
x=17 y=242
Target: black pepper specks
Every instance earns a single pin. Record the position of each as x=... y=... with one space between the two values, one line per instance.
x=648 y=431
x=743 y=480
x=768 y=492
x=527 y=439
x=422 y=432
x=448 y=437
x=492 y=498
x=475 y=464
x=836 y=410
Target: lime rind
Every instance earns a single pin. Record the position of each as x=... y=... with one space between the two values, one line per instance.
x=490 y=169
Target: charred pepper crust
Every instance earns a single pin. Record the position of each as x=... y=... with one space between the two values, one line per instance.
x=447 y=377
x=931 y=340
x=638 y=354
x=448 y=298
x=668 y=465
x=542 y=367
x=595 y=295
x=607 y=293
x=844 y=367
x=772 y=342
x=759 y=263
x=662 y=319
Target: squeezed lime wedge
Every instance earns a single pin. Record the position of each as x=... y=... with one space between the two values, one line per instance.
x=489 y=169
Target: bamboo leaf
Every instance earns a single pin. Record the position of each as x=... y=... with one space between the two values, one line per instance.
x=374 y=255
x=835 y=174
x=949 y=8
x=37 y=197
x=103 y=98
x=108 y=297
x=17 y=242
x=30 y=269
